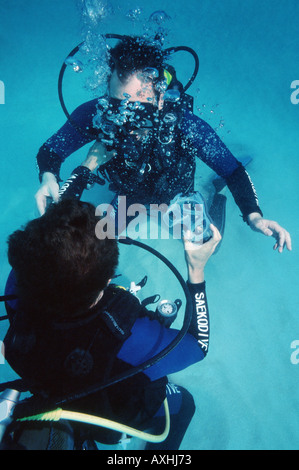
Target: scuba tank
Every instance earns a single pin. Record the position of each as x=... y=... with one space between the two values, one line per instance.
x=8 y=400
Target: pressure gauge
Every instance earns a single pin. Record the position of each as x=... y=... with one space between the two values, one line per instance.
x=167 y=311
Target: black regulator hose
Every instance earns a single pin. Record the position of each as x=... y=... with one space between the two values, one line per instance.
x=191 y=51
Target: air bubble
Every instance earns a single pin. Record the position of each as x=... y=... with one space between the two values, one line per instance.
x=134 y=14
x=94 y=10
x=172 y=95
x=97 y=120
x=104 y=103
x=159 y=17
x=75 y=64
x=169 y=117
x=150 y=72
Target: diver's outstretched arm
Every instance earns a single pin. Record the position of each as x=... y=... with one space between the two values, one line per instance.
x=198 y=254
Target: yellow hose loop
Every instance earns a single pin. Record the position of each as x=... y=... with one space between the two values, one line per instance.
x=59 y=414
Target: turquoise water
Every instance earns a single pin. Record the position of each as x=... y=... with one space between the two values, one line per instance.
x=246 y=390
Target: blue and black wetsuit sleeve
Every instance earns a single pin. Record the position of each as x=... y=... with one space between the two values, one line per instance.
x=208 y=146
x=200 y=321
x=48 y=161
x=74 y=134
x=243 y=191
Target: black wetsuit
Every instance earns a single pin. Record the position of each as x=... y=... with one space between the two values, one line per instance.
x=66 y=356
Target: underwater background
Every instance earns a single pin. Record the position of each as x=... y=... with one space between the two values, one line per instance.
x=246 y=390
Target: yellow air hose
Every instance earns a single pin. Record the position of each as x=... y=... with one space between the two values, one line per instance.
x=58 y=414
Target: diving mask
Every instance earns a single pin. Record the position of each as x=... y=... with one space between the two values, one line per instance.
x=189 y=213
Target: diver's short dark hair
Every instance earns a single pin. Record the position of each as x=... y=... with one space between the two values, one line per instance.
x=134 y=53
x=59 y=263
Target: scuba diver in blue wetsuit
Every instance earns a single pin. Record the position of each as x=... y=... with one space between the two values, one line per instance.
x=147 y=140
x=71 y=328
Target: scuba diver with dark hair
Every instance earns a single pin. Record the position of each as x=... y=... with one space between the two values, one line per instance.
x=147 y=139
x=71 y=328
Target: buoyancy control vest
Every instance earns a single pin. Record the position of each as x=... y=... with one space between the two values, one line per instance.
x=156 y=169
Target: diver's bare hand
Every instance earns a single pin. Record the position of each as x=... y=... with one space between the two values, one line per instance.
x=97 y=155
x=198 y=254
x=271 y=228
x=49 y=188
